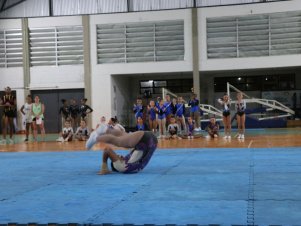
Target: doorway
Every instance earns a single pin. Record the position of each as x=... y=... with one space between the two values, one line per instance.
x=52 y=101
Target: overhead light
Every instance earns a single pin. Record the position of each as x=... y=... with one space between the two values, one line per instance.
x=239 y=78
x=150 y=81
x=266 y=78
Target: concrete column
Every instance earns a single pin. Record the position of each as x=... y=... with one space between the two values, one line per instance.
x=87 y=60
x=26 y=56
x=195 y=52
x=23 y=92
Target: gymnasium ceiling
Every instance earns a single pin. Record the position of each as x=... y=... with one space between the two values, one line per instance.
x=7 y=4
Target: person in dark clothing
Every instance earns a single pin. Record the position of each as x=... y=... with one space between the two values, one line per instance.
x=64 y=111
x=84 y=109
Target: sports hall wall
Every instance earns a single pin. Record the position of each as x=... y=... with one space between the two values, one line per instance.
x=114 y=85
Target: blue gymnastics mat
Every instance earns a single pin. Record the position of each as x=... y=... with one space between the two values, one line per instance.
x=179 y=186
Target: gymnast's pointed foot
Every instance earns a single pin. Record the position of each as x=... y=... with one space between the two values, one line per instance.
x=104 y=169
x=104 y=172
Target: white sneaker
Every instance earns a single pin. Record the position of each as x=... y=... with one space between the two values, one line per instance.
x=215 y=135
x=198 y=129
x=60 y=139
x=239 y=136
x=2 y=142
x=208 y=137
x=92 y=140
x=229 y=137
x=242 y=136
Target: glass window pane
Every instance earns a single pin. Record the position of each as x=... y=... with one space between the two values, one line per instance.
x=143 y=90
x=145 y=84
x=160 y=83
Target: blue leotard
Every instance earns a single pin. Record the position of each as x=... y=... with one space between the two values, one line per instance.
x=180 y=110
x=138 y=110
x=152 y=114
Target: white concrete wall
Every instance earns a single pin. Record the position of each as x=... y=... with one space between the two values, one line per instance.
x=121 y=94
x=100 y=72
x=247 y=62
x=105 y=101
x=60 y=77
x=57 y=77
x=102 y=97
x=13 y=76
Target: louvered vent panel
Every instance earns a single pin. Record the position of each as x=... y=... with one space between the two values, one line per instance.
x=140 y=42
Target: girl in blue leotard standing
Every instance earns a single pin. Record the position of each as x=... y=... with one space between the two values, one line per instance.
x=152 y=116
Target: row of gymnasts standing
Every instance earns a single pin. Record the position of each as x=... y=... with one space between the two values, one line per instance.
x=34 y=115
x=240 y=107
x=161 y=112
x=74 y=112
x=169 y=117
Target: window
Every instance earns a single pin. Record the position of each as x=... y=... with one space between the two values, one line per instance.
x=173 y=85
x=256 y=83
x=140 y=42
x=56 y=46
x=11 y=53
x=254 y=35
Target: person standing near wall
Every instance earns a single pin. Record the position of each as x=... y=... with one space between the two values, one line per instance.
x=74 y=114
x=37 y=112
x=180 y=113
x=168 y=110
x=152 y=116
x=138 y=109
x=226 y=102
x=26 y=111
x=195 y=111
x=240 y=115
x=161 y=119
x=8 y=101
x=64 y=112
x=84 y=109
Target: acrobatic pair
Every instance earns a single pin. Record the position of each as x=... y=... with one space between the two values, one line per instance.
x=144 y=144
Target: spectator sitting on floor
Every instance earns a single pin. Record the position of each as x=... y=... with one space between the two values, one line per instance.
x=82 y=133
x=212 y=128
x=173 y=129
x=67 y=132
x=102 y=121
x=113 y=123
x=141 y=125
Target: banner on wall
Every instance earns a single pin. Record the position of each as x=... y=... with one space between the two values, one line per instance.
x=285 y=97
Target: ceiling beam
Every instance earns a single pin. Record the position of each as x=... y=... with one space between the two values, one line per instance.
x=12 y=5
x=50 y=4
x=3 y=4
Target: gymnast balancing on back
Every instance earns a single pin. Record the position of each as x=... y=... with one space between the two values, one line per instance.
x=144 y=143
